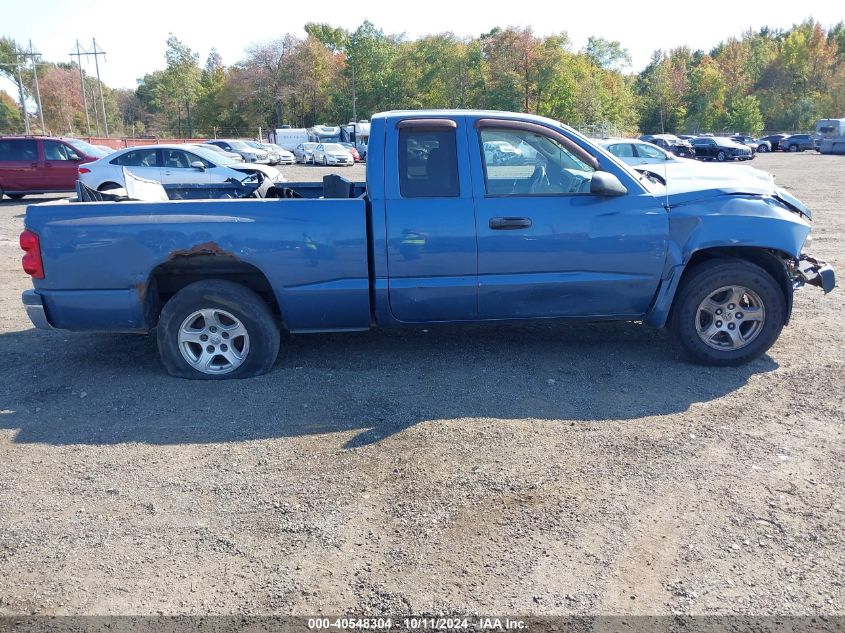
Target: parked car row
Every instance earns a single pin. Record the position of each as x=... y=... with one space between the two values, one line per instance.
x=30 y=165
x=326 y=154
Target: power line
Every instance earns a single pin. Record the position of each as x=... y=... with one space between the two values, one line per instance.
x=34 y=57
x=79 y=54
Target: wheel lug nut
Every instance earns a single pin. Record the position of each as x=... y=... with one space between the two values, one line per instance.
x=718 y=324
x=738 y=315
x=209 y=349
x=224 y=348
x=718 y=310
x=225 y=335
x=212 y=329
x=730 y=307
x=203 y=337
x=731 y=326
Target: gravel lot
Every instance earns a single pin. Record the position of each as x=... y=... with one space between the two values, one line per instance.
x=535 y=469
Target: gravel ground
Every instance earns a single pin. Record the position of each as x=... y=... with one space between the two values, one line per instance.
x=533 y=469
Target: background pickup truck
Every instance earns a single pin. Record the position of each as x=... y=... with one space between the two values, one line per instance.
x=560 y=230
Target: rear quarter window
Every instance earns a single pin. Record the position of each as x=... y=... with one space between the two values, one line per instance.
x=428 y=163
x=18 y=149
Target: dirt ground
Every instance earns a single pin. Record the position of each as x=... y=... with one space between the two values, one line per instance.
x=532 y=469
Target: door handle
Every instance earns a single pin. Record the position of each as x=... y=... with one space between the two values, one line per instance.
x=509 y=224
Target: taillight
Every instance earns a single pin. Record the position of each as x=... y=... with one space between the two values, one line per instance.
x=32 y=264
x=84 y=170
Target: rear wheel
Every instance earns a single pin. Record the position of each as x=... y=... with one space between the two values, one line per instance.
x=762 y=149
x=213 y=330
x=721 y=156
x=728 y=312
x=792 y=148
x=108 y=186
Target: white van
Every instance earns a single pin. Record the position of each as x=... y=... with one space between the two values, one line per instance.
x=289 y=137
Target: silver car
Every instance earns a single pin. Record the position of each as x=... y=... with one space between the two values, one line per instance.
x=332 y=154
x=249 y=154
x=230 y=155
x=304 y=153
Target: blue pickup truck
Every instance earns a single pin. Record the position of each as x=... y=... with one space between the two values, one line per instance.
x=441 y=232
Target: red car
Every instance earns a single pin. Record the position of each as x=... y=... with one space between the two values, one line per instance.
x=42 y=164
x=352 y=150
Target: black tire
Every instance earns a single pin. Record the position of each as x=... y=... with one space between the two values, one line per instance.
x=792 y=148
x=108 y=186
x=762 y=149
x=1 y=193
x=721 y=156
x=15 y=196
x=246 y=306
x=700 y=283
x=325 y=161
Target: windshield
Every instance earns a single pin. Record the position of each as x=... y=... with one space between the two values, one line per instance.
x=85 y=148
x=333 y=147
x=309 y=146
x=239 y=145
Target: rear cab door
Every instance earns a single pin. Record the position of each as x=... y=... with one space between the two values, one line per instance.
x=430 y=220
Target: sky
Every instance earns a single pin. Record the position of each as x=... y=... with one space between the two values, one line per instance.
x=133 y=35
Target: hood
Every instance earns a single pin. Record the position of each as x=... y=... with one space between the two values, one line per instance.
x=690 y=181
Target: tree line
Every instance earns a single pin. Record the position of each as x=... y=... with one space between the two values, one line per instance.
x=773 y=79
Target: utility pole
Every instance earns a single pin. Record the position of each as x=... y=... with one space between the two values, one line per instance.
x=354 y=106
x=78 y=56
x=100 y=83
x=33 y=56
x=23 y=101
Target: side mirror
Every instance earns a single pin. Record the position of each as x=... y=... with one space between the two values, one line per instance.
x=198 y=164
x=606 y=184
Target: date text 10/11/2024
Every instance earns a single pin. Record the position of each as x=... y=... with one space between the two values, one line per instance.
x=420 y=623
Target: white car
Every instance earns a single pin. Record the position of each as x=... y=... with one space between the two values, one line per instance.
x=501 y=153
x=644 y=156
x=284 y=156
x=331 y=154
x=169 y=165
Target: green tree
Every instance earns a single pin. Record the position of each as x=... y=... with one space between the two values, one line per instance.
x=607 y=53
x=10 y=115
x=744 y=115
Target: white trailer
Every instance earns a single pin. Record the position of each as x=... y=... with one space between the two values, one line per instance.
x=831 y=136
x=289 y=137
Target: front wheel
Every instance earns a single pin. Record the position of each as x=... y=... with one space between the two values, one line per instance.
x=728 y=312
x=793 y=148
x=213 y=330
x=325 y=161
x=762 y=149
x=721 y=156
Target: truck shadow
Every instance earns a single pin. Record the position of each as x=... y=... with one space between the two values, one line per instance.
x=98 y=389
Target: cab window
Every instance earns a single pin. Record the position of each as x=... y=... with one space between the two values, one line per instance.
x=543 y=166
x=428 y=163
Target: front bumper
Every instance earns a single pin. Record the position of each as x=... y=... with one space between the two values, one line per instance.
x=815 y=273
x=35 y=310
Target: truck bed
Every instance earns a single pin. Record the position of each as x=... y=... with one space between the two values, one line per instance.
x=102 y=259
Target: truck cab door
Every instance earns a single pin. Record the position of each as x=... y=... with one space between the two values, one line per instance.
x=547 y=246
x=431 y=242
